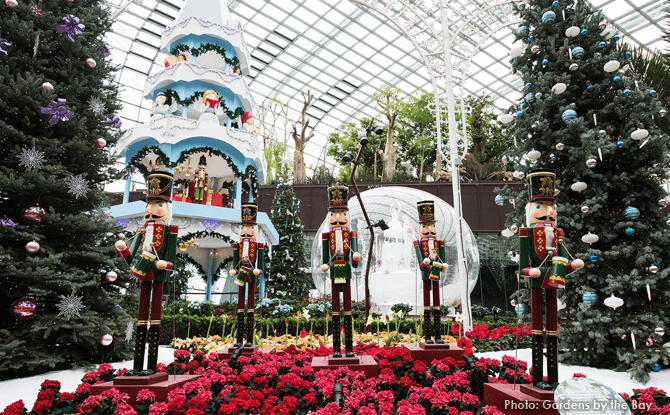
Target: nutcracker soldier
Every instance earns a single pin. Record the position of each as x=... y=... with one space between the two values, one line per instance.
x=340 y=253
x=201 y=181
x=544 y=261
x=249 y=260
x=158 y=244
x=431 y=254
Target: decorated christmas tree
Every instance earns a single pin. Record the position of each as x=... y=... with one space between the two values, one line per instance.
x=61 y=290
x=288 y=280
x=585 y=115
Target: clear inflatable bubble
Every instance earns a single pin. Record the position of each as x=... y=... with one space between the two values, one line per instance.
x=394 y=274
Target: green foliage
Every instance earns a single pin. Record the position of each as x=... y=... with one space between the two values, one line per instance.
x=625 y=176
x=76 y=238
x=401 y=307
x=287 y=278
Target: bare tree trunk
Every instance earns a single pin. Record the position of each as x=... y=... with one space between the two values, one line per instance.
x=390 y=154
x=300 y=139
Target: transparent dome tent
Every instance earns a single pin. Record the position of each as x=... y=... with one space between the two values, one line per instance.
x=394 y=274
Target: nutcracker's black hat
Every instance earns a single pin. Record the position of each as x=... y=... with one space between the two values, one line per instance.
x=159 y=186
x=338 y=195
x=203 y=161
x=426 y=210
x=249 y=212
x=541 y=184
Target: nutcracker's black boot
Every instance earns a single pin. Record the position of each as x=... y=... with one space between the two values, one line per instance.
x=348 y=335
x=240 y=329
x=552 y=361
x=537 y=345
x=437 y=324
x=250 y=329
x=152 y=359
x=427 y=329
x=337 y=344
x=140 y=344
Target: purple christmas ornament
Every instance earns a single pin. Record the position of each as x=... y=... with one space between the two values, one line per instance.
x=105 y=50
x=114 y=121
x=72 y=27
x=8 y=222
x=3 y=44
x=58 y=110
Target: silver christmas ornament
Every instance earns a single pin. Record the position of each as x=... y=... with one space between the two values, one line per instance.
x=602 y=133
x=573 y=67
x=591 y=163
x=585 y=209
x=653 y=268
x=560 y=146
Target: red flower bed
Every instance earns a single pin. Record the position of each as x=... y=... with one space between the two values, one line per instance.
x=285 y=383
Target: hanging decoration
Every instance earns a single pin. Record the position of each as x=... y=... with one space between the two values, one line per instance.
x=4 y=43
x=72 y=27
x=130 y=330
x=106 y=339
x=23 y=309
x=111 y=276
x=97 y=106
x=499 y=200
x=33 y=214
x=70 y=306
x=32 y=247
x=47 y=86
x=58 y=111
x=31 y=158
x=631 y=213
x=590 y=298
x=78 y=186
x=579 y=186
x=613 y=302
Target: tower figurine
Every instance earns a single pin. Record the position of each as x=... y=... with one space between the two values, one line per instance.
x=544 y=260
x=340 y=253
x=249 y=260
x=158 y=244
x=431 y=254
x=201 y=181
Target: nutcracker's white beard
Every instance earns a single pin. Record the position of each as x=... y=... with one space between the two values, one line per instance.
x=149 y=233
x=529 y=217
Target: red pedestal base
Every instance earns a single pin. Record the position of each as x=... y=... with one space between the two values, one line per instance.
x=429 y=352
x=519 y=400
x=160 y=384
x=365 y=364
x=225 y=354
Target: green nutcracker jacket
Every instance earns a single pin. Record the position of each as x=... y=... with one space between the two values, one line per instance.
x=422 y=249
x=254 y=258
x=340 y=263
x=165 y=246
x=536 y=255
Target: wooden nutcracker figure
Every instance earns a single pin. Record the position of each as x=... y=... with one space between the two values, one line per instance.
x=431 y=254
x=340 y=253
x=544 y=260
x=158 y=244
x=201 y=181
x=249 y=260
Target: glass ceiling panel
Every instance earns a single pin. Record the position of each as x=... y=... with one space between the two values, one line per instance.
x=320 y=43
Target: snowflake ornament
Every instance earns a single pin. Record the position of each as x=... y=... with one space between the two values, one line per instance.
x=130 y=328
x=31 y=158
x=96 y=106
x=78 y=186
x=70 y=306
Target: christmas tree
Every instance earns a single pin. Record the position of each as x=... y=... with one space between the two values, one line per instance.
x=287 y=279
x=585 y=115
x=61 y=288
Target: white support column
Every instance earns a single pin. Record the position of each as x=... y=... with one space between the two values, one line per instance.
x=455 y=163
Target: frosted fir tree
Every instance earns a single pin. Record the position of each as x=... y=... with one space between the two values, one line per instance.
x=586 y=116
x=287 y=279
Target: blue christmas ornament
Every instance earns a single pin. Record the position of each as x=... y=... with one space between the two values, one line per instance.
x=590 y=298
x=555 y=3
x=616 y=79
x=522 y=30
x=584 y=32
x=616 y=38
x=602 y=45
x=530 y=97
x=548 y=17
x=656 y=367
x=521 y=309
x=631 y=213
x=626 y=92
x=511 y=60
x=620 y=144
x=630 y=231
x=519 y=113
x=577 y=52
x=500 y=201
x=593 y=258
x=627 y=54
x=531 y=38
x=545 y=61
x=524 y=104
x=652 y=92
x=569 y=116
x=590 y=88
x=529 y=85
x=553 y=158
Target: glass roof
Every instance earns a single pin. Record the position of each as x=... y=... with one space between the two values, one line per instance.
x=345 y=50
